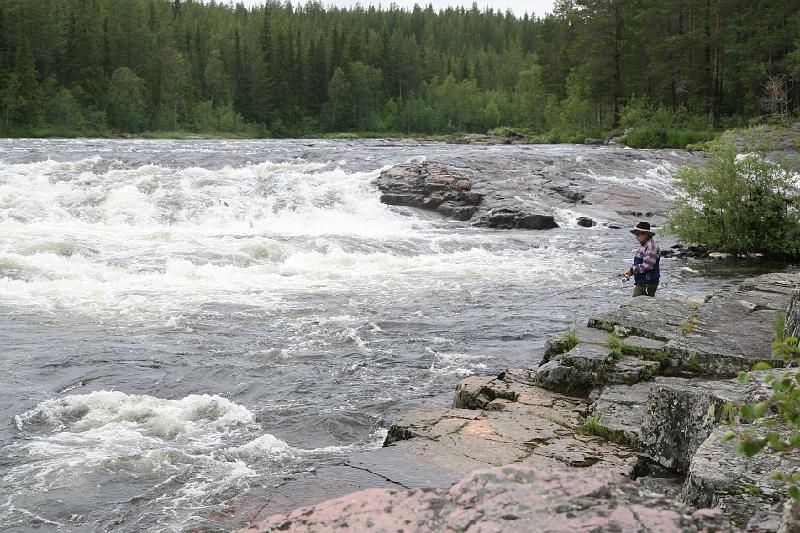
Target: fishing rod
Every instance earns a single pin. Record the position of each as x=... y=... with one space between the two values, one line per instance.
x=597 y=282
x=589 y=284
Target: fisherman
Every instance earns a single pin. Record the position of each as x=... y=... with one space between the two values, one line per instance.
x=645 y=270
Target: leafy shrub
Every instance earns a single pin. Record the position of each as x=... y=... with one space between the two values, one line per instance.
x=662 y=127
x=737 y=203
x=505 y=131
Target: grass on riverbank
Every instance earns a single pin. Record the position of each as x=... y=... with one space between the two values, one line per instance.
x=783 y=135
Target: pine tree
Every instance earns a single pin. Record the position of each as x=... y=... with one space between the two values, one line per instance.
x=216 y=79
x=27 y=109
x=576 y=69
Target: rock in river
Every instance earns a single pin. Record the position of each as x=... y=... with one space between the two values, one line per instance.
x=427 y=186
x=447 y=191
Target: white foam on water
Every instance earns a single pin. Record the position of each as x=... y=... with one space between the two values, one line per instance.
x=653 y=177
x=152 y=245
x=185 y=418
x=143 y=244
x=141 y=438
x=456 y=363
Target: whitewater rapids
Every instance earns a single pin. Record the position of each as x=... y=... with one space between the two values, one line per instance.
x=181 y=320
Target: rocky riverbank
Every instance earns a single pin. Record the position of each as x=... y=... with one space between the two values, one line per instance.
x=619 y=428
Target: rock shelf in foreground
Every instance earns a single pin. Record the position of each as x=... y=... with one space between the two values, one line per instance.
x=640 y=397
x=506 y=499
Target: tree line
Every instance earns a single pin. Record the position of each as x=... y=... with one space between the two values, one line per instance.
x=589 y=67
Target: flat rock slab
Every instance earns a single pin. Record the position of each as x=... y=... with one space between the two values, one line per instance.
x=509 y=421
x=513 y=499
x=383 y=468
x=779 y=283
x=741 y=486
x=302 y=489
x=727 y=334
x=721 y=336
x=428 y=420
x=400 y=468
x=643 y=316
x=515 y=386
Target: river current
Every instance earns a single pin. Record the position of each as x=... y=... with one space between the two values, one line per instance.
x=181 y=320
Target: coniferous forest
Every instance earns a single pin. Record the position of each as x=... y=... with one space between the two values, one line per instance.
x=97 y=67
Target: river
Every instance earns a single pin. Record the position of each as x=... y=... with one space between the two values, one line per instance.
x=181 y=320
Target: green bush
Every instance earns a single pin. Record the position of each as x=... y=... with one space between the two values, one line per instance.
x=683 y=138
x=127 y=96
x=737 y=203
x=646 y=138
x=505 y=131
x=662 y=127
x=209 y=118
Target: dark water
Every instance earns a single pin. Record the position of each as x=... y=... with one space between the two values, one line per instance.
x=182 y=319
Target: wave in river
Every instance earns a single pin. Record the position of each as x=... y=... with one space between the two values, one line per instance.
x=146 y=242
x=182 y=322
x=192 y=450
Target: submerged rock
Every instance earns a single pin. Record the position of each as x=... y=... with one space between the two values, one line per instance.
x=571 y=194
x=512 y=498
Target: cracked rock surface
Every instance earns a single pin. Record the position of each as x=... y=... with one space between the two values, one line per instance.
x=517 y=423
x=512 y=498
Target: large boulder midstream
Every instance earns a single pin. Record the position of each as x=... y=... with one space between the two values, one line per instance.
x=432 y=187
x=535 y=187
x=449 y=192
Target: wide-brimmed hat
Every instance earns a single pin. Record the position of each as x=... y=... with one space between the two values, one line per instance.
x=643 y=227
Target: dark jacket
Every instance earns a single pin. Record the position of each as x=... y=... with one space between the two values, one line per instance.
x=646 y=263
